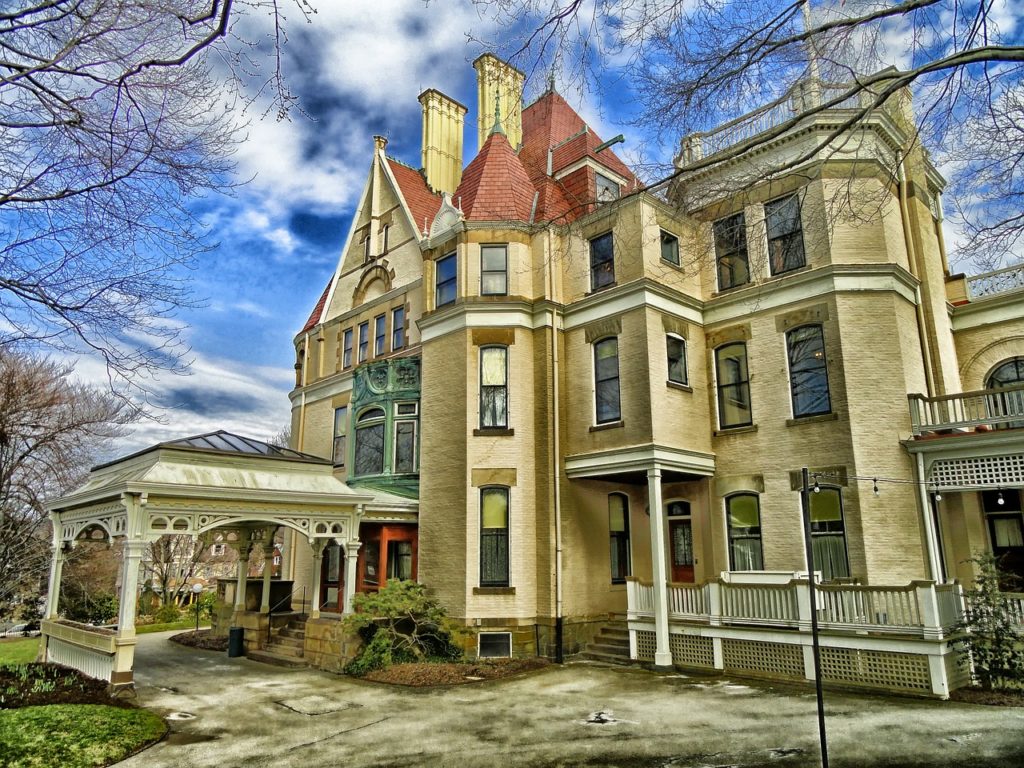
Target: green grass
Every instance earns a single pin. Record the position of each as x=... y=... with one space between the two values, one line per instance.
x=74 y=735
x=19 y=651
x=145 y=629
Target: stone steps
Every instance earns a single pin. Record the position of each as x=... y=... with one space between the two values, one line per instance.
x=268 y=656
x=610 y=645
x=286 y=645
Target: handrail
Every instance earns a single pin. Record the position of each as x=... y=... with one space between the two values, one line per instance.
x=977 y=408
x=995 y=282
x=278 y=604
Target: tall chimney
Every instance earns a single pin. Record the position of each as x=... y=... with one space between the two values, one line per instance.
x=497 y=80
x=443 y=120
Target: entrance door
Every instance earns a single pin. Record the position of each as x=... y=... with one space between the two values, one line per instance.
x=332 y=592
x=1006 y=532
x=681 y=536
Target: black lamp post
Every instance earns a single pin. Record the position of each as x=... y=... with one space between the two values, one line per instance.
x=805 y=502
x=197 y=589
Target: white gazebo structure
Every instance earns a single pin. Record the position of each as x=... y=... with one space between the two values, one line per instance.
x=244 y=488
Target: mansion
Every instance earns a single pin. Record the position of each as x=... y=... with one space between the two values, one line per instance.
x=556 y=396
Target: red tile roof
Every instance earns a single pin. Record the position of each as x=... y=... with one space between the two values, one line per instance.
x=423 y=203
x=314 y=316
x=495 y=186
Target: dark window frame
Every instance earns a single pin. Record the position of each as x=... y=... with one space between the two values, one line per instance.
x=730 y=236
x=667 y=238
x=441 y=287
x=380 y=334
x=499 y=390
x=498 y=537
x=619 y=542
x=346 y=359
x=340 y=446
x=369 y=421
x=741 y=386
x=606 y=383
x=602 y=264
x=364 y=341
x=400 y=423
x=397 y=328
x=786 y=251
x=829 y=529
x=748 y=533
x=484 y=272
x=813 y=370
x=671 y=338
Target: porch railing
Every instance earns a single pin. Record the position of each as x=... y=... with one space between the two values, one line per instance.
x=920 y=609
x=995 y=282
x=1000 y=407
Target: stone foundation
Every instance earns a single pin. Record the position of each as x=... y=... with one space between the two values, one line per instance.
x=329 y=646
x=536 y=639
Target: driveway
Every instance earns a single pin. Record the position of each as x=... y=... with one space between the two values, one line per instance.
x=231 y=713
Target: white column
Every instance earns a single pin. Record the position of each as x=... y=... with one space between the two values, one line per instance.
x=243 y=573
x=351 y=559
x=318 y=556
x=131 y=559
x=930 y=539
x=268 y=568
x=662 y=654
x=56 y=571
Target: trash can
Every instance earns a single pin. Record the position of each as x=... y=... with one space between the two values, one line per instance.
x=236 y=642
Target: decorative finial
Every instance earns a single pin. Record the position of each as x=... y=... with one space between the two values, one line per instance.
x=551 y=81
x=497 y=114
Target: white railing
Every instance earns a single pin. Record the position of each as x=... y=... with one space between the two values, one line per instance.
x=950 y=598
x=89 y=661
x=879 y=609
x=1015 y=607
x=760 y=604
x=998 y=407
x=995 y=282
x=687 y=601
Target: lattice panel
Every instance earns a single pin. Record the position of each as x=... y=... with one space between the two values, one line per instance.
x=979 y=472
x=762 y=658
x=646 y=645
x=876 y=669
x=692 y=650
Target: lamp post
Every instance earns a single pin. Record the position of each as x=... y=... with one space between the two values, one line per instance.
x=805 y=504
x=197 y=589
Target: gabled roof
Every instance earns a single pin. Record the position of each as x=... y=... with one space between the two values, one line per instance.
x=226 y=443
x=495 y=186
x=423 y=203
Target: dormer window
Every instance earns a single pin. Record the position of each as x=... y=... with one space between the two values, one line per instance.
x=607 y=190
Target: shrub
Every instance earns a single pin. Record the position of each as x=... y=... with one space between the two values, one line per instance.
x=400 y=624
x=167 y=614
x=992 y=639
x=78 y=605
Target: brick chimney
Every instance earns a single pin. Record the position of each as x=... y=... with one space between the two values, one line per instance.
x=497 y=80
x=443 y=120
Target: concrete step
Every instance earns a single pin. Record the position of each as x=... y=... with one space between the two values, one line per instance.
x=607 y=658
x=268 y=656
x=288 y=642
x=607 y=648
x=614 y=634
x=289 y=631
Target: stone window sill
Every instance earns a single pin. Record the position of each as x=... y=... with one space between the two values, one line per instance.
x=680 y=387
x=610 y=425
x=815 y=419
x=494 y=590
x=748 y=429
x=493 y=432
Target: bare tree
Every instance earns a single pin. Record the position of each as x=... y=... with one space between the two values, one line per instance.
x=698 y=64
x=51 y=429
x=170 y=565
x=114 y=116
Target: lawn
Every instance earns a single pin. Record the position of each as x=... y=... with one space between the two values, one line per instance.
x=145 y=629
x=18 y=651
x=75 y=735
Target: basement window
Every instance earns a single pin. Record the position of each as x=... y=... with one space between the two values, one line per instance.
x=494 y=645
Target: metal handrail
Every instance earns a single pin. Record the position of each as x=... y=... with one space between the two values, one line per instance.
x=287 y=598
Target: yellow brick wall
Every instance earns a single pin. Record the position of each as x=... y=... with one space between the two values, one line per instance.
x=980 y=349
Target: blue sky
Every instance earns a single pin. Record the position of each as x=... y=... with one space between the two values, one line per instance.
x=357 y=70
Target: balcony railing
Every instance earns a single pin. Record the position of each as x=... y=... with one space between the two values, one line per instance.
x=985 y=408
x=998 y=281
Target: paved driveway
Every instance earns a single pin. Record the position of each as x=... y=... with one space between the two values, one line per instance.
x=231 y=713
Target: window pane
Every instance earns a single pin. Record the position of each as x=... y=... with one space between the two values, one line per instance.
x=371 y=562
x=602 y=263
x=494 y=558
x=782 y=217
x=378 y=335
x=617 y=509
x=746 y=554
x=493 y=406
x=447 y=270
x=730 y=236
x=676 y=359
x=364 y=340
x=830 y=556
x=733 y=386
x=606 y=376
x=682 y=544
x=398 y=328
x=744 y=513
x=1006 y=532
x=807 y=371
x=369 y=458
x=373 y=413
x=494 y=508
x=670 y=248
x=347 y=358
x=405 y=446
x=492 y=366
x=400 y=560
x=340 y=446
x=492 y=258
x=785 y=239
x=493 y=284
x=606 y=189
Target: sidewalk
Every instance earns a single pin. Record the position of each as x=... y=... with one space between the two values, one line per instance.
x=234 y=712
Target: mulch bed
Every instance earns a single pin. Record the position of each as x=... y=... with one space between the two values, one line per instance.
x=202 y=639
x=69 y=686
x=991 y=698
x=446 y=673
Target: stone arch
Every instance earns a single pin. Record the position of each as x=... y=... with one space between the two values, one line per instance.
x=375 y=281
x=976 y=369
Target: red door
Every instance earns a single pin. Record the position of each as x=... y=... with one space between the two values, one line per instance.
x=681 y=536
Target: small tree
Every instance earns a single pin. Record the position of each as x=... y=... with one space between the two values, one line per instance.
x=400 y=623
x=995 y=644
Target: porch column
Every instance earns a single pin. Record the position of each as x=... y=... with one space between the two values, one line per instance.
x=318 y=556
x=268 y=568
x=351 y=560
x=930 y=539
x=662 y=654
x=56 y=569
x=131 y=559
x=243 y=573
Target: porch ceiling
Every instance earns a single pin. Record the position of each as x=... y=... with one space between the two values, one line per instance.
x=972 y=460
x=631 y=464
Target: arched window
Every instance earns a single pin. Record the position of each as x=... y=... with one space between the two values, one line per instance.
x=493 y=387
x=1005 y=374
x=618 y=527
x=369 y=453
x=606 y=380
x=808 y=376
x=828 y=534
x=494 y=536
x=733 y=379
x=743 y=518
x=1011 y=403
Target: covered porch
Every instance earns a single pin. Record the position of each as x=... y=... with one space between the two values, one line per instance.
x=241 y=488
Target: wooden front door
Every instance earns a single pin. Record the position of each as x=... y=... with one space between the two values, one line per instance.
x=332 y=576
x=681 y=537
